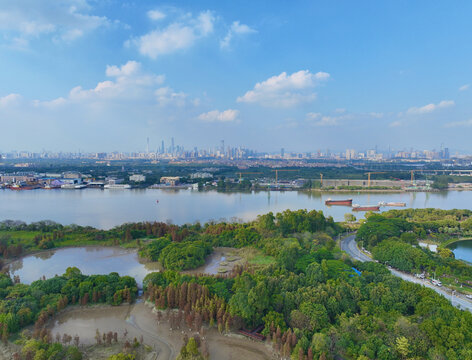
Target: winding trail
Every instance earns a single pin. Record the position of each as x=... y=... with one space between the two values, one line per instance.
x=349 y=245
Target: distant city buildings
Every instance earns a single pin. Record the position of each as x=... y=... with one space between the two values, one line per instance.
x=224 y=152
x=137 y=178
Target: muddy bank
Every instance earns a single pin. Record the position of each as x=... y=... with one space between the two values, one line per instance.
x=221 y=261
x=139 y=320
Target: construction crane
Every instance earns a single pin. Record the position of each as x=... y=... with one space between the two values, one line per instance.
x=277 y=174
x=413 y=176
x=373 y=172
x=241 y=174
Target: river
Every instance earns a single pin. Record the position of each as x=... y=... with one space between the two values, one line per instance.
x=105 y=209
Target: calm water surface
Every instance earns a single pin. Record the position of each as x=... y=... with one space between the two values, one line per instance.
x=462 y=250
x=108 y=208
x=90 y=260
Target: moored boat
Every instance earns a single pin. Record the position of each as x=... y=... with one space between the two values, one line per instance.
x=365 y=207
x=347 y=202
x=23 y=187
x=393 y=204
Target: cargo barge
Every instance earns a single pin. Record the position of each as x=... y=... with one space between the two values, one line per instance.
x=347 y=202
x=365 y=208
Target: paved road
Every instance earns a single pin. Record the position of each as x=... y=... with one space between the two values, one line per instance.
x=349 y=245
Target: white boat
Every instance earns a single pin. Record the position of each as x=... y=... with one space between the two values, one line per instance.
x=393 y=204
x=73 y=186
x=117 y=186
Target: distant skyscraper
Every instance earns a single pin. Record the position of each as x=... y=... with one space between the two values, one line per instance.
x=282 y=152
x=147 y=146
x=163 y=149
x=222 y=147
x=172 y=148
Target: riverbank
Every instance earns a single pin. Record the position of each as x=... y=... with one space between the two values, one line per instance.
x=450 y=242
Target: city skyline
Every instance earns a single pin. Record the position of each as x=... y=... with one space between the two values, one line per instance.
x=175 y=150
x=106 y=75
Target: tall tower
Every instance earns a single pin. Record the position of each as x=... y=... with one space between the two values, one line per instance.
x=147 y=146
x=172 y=148
x=163 y=150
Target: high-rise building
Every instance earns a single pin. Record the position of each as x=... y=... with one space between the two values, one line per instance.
x=282 y=152
x=350 y=154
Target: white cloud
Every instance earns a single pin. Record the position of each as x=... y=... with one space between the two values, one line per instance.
x=10 y=99
x=328 y=121
x=396 y=123
x=236 y=29
x=430 y=107
x=229 y=115
x=464 y=87
x=156 y=15
x=313 y=116
x=176 y=36
x=129 y=83
x=285 y=90
x=319 y=119
x=130 y=68
x=67 y=20
x=167 y=96
x=465 y=123
x=376 y=115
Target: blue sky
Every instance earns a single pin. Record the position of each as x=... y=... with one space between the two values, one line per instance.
x=303 y=75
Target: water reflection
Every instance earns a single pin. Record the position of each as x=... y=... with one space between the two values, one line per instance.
x=462 y=250
x=90 y=260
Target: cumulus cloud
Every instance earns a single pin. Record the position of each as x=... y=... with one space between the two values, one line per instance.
x=454 y=124
x=464 y=87
x=327 y=121
x=23 y=20
x=318 y=119
x=10 y=99
x=396 y=123
x=236 y=29
x=167 y=96
x=313 y=116
x=176 y=36
x=430 y=107
x=156 y=15
x=285 y=90
x=229 y=115
x=128 y=83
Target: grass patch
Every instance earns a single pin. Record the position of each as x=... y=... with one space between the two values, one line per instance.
x=256 y=257
x=262 y=260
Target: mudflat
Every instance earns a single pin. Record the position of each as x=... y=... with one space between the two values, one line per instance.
x=138 y=320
